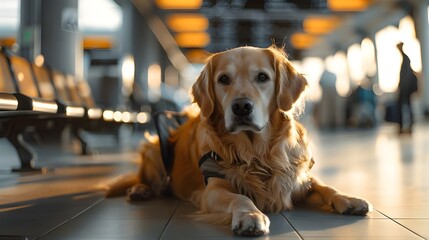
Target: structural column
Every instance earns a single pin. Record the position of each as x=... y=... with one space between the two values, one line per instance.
x=29 y=30
x=61 y=43
x=139 y=41
x=422 y=30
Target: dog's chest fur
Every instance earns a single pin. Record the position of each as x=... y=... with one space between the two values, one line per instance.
x=268 y=174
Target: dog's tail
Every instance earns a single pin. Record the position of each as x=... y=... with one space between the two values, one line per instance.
x=119 y=185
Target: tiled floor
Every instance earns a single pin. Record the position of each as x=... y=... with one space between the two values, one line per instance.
x=389 y=170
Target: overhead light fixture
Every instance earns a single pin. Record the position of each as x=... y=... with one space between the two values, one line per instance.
x=108 y=16
x=320 y=24
x=179 y=4
x=97 y=42
x=192 y=40
x=302 y=40
x=187 y=23
x=349 y=5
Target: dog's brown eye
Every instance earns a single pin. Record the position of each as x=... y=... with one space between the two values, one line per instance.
x=225 y=80
x=262 y=77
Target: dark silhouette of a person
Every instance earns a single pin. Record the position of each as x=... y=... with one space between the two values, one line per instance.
x=406 y=87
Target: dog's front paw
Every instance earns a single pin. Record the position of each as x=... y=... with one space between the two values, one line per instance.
x=252 y=223
x=350 y=205
x=139 y=192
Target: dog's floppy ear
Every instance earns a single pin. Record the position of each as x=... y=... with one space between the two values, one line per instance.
x=289 y=83
x=202 y=91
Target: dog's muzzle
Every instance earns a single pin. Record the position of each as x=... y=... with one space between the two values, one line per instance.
x=242 y=108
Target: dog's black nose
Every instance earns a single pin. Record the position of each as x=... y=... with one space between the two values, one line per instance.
x=242 y=107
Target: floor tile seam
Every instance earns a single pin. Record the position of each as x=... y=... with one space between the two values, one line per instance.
x=71 y=218
x=402 y=225
x=386 y=218
x=293 y=227
x=169 y=220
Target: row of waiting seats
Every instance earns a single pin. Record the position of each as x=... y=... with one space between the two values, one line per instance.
x=48 y=100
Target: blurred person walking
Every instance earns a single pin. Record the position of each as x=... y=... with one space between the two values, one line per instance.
x=406 y=87
x=329 y=112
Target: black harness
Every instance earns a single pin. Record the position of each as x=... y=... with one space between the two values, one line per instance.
x=165 y=122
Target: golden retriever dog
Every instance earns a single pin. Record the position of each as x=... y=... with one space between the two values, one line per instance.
x=244 y=154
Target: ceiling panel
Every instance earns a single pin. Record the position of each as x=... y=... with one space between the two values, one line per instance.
x=234 y=23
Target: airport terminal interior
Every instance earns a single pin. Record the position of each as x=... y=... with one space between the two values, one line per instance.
x=82 y=82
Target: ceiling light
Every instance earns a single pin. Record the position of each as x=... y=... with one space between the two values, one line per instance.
x=320 y=24
x=192 y=40
x=349 y=5
x=179 y=4
x=303 y=40
x=97 y=42
x=187 y=23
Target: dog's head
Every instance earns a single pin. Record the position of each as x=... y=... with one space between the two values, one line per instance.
x=245 y=86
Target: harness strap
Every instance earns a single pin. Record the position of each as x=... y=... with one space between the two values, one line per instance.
x=166 y=121
x=209 y=166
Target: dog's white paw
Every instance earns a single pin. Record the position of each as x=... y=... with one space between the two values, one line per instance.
x=252 y=223
x=350 y=205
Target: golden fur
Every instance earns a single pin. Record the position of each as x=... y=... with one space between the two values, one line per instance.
x=265 y=154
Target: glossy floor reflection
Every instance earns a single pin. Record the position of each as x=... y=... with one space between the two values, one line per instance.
x=387 y=169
